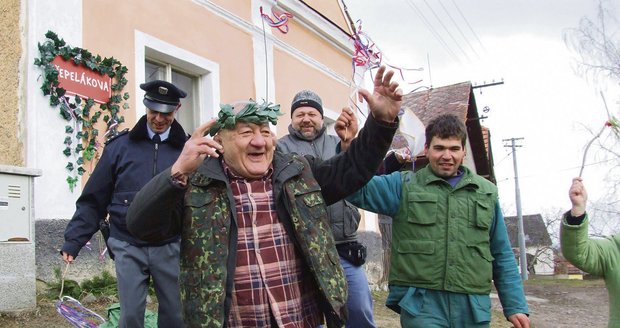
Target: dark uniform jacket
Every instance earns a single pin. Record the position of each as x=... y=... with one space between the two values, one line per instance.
x=128 y=162
x=205 y=216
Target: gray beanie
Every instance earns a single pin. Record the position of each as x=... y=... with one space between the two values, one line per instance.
x=307 y=98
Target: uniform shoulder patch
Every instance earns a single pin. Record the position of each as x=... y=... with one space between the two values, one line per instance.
x=118 y=134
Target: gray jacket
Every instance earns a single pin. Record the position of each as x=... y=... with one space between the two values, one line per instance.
x=343 y=216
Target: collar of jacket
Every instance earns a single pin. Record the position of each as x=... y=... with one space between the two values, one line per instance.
x=285 y=166
x=466 y=181
x=297 y=134
x=176 y=138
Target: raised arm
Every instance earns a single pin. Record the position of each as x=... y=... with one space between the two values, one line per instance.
x=591 y=255
x=345 y=173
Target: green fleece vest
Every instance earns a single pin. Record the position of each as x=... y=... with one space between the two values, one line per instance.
x=440 y=235
x=208 y=246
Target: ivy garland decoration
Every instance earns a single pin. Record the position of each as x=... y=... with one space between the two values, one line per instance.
x=82 y=114
x=252 y=112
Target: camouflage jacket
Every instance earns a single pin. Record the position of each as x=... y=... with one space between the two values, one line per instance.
x=205 y=216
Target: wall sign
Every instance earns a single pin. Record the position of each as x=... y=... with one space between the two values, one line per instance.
x=81 y=81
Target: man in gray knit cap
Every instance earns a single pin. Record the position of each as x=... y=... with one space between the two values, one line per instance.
x=307 y=136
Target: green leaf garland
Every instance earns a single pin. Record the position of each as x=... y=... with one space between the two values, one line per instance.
x=82 y=114
x=251 y=113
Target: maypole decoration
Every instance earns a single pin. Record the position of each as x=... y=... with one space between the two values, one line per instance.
x=281 y=19
x=368 y=56
x=281 y=23
x=611 y=123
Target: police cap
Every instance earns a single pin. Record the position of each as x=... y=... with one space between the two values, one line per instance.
x=161 y=96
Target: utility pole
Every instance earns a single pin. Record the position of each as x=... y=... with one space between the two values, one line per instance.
x=521 y=234
x=485 y=85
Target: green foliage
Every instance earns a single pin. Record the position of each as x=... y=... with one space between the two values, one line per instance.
x=69 y=288
x=71 y=181
x=82 y=114
x=102 y=285
x=251 y=113
x=565 y=282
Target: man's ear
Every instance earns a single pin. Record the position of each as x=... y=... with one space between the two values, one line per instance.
x=217 y=138
x=425 y=150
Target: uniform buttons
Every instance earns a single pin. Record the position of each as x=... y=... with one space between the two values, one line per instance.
x=126 y=201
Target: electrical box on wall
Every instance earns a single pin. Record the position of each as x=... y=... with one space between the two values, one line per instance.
x=15 y=206
x=18 y=289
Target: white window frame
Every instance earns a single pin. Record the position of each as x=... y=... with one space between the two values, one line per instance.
x=208 y=72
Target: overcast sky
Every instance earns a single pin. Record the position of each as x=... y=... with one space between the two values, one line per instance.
x=542 y=99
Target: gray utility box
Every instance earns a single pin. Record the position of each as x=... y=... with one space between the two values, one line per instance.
x=17 y=247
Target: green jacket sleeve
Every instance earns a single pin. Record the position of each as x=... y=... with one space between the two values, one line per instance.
x=505 y=271
x=372 y=197
x=595 y=256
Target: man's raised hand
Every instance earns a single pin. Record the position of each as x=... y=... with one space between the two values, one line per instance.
x=386 y=99
x=195 y=150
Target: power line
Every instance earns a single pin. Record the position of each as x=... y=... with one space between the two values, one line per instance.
x=467 y=22
x=433 y=31
x=500 y=161
x=446 y=29
x=459 y=29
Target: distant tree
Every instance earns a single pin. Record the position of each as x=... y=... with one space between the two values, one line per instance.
x=597 y=42
x=604 y=216
x=552 y=217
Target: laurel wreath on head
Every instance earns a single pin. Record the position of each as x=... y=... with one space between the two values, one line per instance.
x=251 y=113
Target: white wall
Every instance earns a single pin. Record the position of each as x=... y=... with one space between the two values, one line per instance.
x=45 y=127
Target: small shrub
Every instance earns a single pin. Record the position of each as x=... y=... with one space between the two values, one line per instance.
x=68 y=288
x=104 y=285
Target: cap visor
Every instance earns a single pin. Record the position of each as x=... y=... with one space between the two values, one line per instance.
x=158 y=107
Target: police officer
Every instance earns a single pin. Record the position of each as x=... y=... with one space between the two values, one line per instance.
x=128 y=162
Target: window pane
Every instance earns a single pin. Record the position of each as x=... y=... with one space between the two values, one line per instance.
x=330 y=126
x=153 y=72
x=186 y=114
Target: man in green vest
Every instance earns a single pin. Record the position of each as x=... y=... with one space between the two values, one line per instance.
x=449 y=239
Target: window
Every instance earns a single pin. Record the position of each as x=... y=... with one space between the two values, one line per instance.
x=187 y=82
x=194 y=74
x=330 y=125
